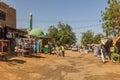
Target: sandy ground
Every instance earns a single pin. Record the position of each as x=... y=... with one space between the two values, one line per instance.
x=50 y=67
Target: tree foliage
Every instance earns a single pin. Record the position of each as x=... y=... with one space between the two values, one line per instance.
x=97 y=38
x=111 y=18
x=62 y=34
x=88 y=37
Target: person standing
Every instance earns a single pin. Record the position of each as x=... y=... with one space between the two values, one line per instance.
x=63 y=51
x=86 y=49
x=37 y=46
x=33 y=46
x=95 y=51
x=99 y=52
x=102 y=50
x=81 y=50
x=57 y=51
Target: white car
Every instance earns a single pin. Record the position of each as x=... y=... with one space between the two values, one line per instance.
x=74 y=48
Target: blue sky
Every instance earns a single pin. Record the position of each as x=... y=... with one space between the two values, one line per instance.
x=82 y=15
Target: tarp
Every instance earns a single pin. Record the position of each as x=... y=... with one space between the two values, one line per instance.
x=104 y=40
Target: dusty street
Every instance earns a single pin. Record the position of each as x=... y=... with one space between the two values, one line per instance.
x=50 y=67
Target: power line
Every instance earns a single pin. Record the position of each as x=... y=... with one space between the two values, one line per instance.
x=93 y=25
x=54 y=21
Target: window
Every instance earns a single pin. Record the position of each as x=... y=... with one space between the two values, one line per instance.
x=2 y=15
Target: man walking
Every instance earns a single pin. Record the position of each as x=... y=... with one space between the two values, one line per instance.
x=63 y=51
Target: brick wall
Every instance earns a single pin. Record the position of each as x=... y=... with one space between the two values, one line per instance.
x=10 y=14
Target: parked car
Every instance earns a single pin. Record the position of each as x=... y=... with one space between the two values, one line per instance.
x=74 y=48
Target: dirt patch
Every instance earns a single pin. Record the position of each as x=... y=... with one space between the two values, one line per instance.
x=50 y=67
x=108 y=76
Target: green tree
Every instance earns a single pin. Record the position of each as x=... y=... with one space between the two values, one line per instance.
x=62 y=34
x=87 y=37
x=97 y=38
x=111 y=18
x=52 y=33
x=66 y=36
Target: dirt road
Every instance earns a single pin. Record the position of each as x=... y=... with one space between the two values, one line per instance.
x=50 y=67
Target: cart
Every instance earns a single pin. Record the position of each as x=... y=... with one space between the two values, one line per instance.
x=4 y=49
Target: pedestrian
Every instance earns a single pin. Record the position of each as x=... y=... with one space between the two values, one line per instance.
x=86 y=49
x=60 y=50
x=95 y=51
x=37 y=46
x=50 y=48
x=102 y=50
x=63 y=51
x=57 y=51
x=81 y=50
x=99 y=52
x=34 y=47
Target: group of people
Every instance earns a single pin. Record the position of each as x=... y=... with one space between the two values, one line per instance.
x=98 y=51
x=60 y=51
x=85 y=49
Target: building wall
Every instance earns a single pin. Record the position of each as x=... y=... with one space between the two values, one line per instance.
x=10 y=15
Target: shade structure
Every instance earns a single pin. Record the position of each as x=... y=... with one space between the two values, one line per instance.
x=36 y=32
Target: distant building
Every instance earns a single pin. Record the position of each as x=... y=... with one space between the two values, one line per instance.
x=7 y=15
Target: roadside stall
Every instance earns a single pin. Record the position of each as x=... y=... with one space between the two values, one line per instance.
x=4 y=49
x=25 y=44
x=115 y=56
x=38 y=35
x=11 y=34
x=112 y=45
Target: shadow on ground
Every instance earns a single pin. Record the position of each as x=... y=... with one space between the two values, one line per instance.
x=17 y=61
x=33 y=56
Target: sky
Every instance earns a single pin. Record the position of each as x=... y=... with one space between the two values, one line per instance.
x=81 y=15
